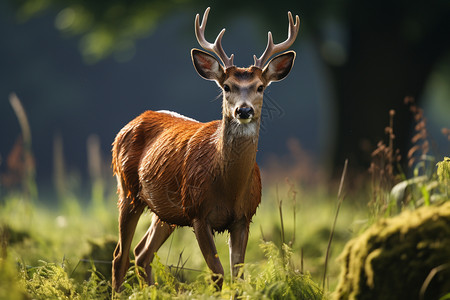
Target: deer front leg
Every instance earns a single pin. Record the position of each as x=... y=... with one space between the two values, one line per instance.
x=205 y=240
x=238 y=244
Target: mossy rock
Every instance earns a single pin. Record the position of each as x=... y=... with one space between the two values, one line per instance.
x=404 y=257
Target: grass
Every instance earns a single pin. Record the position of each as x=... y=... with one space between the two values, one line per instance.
x=65 y=252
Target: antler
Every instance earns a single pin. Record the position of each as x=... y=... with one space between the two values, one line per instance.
x=217 y=46
x=271 y=49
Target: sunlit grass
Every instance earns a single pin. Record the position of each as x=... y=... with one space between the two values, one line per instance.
x=65 y=250
x=61 y=239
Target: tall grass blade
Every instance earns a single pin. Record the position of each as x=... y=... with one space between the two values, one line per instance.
x=340 y=199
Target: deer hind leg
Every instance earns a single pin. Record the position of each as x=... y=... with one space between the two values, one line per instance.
x=205 y=240
x=144 y=252
x=128 y=218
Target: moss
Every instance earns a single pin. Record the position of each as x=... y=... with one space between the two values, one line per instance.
x=392 y=259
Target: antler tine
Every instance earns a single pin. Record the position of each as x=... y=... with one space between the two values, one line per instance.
x=272 y=49
x=217 y=46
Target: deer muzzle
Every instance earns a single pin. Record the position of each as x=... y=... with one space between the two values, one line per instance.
x=244 y=114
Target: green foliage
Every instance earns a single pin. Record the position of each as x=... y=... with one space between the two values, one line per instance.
x=429 y=185
x=278 y=279
x=53 y=281
x=49 y=247
x=274 y=279
x=83 y=236
x=49 y=281
x=106 y=28
x=443 y=173
x=97 y=287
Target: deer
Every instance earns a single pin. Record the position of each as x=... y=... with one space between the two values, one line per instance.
x=189 y=173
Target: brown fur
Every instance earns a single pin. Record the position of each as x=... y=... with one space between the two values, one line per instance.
x=180 y=170
x=188 y=173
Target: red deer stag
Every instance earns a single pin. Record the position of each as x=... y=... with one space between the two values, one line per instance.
x=196 y=174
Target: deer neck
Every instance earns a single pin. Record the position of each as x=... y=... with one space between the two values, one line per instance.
x=237 y=147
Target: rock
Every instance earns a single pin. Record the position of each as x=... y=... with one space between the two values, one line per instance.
x=403 y=257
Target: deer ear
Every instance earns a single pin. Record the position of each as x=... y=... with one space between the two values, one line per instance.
x=279 y=66
x=207 y=65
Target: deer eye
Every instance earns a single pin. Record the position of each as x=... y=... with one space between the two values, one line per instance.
x=260 y=88
x=226 y=88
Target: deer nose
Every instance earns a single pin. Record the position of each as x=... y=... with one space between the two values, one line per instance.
x=244 y=112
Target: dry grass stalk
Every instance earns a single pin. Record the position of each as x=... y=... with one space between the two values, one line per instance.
x=384 y=159
x=420 y=141
x=20 y=162
x=446 y=133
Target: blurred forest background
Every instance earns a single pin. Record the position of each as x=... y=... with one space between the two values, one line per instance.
x=83 y=69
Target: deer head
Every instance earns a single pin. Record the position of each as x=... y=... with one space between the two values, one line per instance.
x=243 y=88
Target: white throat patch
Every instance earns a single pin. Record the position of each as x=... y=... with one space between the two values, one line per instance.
x=249 y=129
